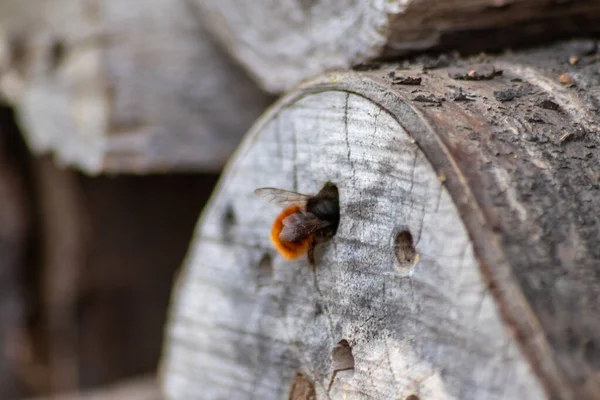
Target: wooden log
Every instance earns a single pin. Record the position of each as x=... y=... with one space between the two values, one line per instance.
x=123 y=86
x=15 y=220
x=281 y=43
x=110 y=249
x=135 y=389
x=465 y=265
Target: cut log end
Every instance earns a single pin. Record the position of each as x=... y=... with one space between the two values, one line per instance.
x=447 y=277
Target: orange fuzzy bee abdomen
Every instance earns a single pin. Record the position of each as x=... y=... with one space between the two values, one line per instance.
x=289 y=250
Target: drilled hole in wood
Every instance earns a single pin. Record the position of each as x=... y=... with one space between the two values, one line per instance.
x=412 y=397
x=325 y=206
x=342 y=360
x=342 y=356
x=229 y=216
x=306 y=5
x=318 y=309
x=57 y=54
x=302 y=389
x=592 y=353
x=404 y=249
x=265 y=270
x=227 y=222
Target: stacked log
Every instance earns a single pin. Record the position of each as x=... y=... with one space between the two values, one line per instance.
x=281 y=43
x=465 y=262
x=15 y=222
x=120 y=87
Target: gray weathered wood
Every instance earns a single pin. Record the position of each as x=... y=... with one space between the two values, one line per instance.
x=283 y=42
x=123 y=86
x=500 y=197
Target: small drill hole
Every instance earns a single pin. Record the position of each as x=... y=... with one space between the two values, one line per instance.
x=406 y=255
x=265 y=270
x=592 y=353
x=318 y=309
x=342 y=360
x=228 y=220
x=229 y=216
x=57 y=54
x=325 y=205
x=342 y=356
x=302 y=389
x=412 y=397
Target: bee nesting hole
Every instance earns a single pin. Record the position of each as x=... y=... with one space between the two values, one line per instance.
x=301 y=388
x=228 y=220
x=592 y=353
x=412 y=397
x=342 y=360
x=229 y=215
x=265 y=270
x=57 y=54
x=404 y=249
x=342 y=357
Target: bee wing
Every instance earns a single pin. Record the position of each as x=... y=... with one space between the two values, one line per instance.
x=281 y=197
x=300 y=225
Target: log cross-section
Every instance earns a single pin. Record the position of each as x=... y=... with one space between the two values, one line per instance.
x=465 y=265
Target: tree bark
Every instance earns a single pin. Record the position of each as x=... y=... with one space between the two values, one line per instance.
x=465 y=265
x=283 y=42
x=123 y=86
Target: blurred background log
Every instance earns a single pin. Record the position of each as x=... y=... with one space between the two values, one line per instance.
x=136 y=389
x=466 y=261
x=87 y=265
x=120 y=87
x=110 y=248
x=281 y=43
x=15 y=220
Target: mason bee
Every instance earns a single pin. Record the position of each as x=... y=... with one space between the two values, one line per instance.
x=305 y=221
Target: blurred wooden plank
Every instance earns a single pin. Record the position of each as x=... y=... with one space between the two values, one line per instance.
x=110 y=246
x=123 y=86
x=281 y=43
x=135 y=389
x=15 y=224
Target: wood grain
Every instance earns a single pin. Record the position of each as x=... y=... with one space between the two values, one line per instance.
x=403 y=324
x=504 y=220
x=281 y=43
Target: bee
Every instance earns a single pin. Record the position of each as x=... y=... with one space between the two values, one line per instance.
x=305 y=221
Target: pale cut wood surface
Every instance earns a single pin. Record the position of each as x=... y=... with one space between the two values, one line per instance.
x=123 y=86
x=430 y=329
x=494 y=149
x=283 y=42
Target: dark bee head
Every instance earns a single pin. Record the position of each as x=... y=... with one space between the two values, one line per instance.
x=325 y=205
